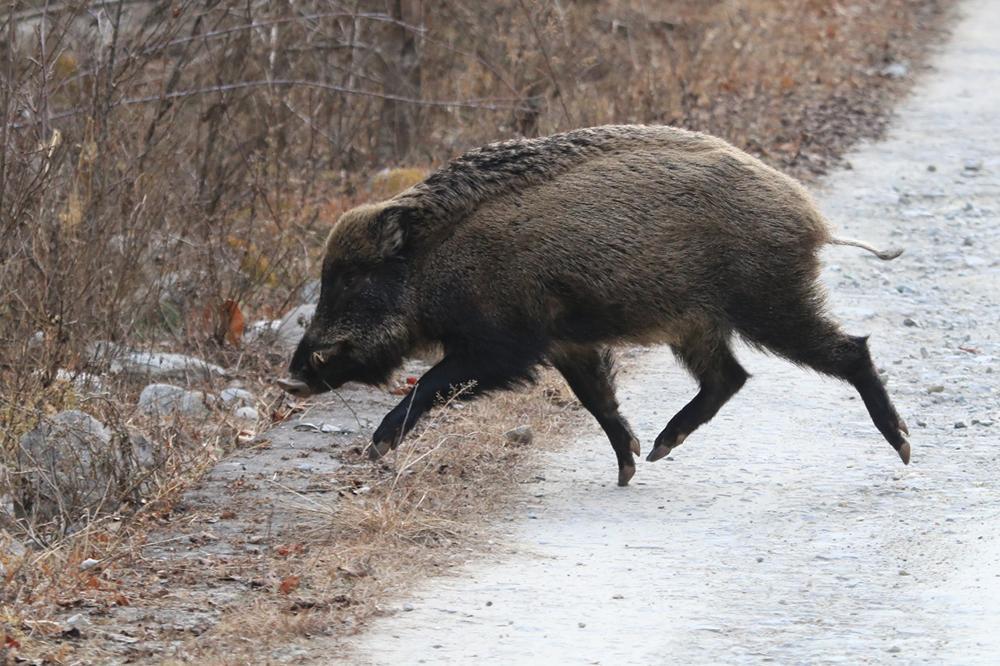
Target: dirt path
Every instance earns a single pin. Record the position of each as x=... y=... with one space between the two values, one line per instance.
x=787 y=530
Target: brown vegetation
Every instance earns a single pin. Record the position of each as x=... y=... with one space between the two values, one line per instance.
x=165 y=167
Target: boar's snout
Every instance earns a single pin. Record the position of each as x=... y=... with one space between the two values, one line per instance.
x=316 y=368
x=295 y=387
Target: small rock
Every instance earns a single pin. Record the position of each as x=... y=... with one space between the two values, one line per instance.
x=760 y=559
x=520 y=435
x=986 y=423
x=84 y=383
x=936 y=388
x=910 y=322
x=263 y=330
x=309 y=294
x=247 y=414
x=9 y=546
x=164 y=399
x=894 y=649
x=960 y=424
x=293 y=326
x=68 y=461
x=89 y=564
x=931 y=168
x=332 y=429
x=236 y=397
x=582 y=625
x=78 y=622
x=895 y=70
x=153 y=365
x=141 y=449
x=407 y=607
x=972 y=165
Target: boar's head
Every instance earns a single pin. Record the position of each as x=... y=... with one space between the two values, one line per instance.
x=361 y=330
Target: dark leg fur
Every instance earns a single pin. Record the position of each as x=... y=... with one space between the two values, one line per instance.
x=589 y=374
x=473 y=373
x=812 y=340
x=710 y=359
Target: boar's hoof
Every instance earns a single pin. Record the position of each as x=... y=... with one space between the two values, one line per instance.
x=660 y=451
x=904 y=452
x=625 y=474
x=904 y=427
x=378 y=449
x=634 y=445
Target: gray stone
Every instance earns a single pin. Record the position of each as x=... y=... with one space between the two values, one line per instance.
x=246 y=414
x=895 y=70
x=70 y=467
x=284 y=334
x=520 y=435
x=262 y=330
x=11 y=547
x=293 y=326
x=162 y=366
x=309 y=293
x=83 y=382
x=155 y=365
x=337 y=429
x=165 y=399
x=236 y=397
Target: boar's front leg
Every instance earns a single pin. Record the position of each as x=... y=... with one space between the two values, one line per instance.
x=476 y=373
x=590 y=374
x=709 y=357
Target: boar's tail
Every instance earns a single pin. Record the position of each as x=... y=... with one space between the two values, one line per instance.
x=884 y=255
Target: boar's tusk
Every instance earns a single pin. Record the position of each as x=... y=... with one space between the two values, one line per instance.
x=296 y=387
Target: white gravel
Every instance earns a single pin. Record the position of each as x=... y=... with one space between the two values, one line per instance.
x=787 y=530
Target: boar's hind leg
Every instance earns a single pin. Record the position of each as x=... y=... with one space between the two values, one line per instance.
x=813 y=340
x=710 y=359
x=590 y=374
x=473 y=374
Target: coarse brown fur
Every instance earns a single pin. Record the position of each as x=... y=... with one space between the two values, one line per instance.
x=554 y=249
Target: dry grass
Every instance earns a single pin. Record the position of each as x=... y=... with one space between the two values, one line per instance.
x=422 y=514
x=426 y=509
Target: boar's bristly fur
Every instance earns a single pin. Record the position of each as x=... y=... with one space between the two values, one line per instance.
x=553 y=250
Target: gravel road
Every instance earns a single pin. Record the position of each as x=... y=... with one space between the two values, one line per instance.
x=787 y=530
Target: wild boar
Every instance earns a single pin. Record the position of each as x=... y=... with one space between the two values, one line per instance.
x=554 y=250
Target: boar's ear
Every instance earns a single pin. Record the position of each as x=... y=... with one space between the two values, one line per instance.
x=390 y=230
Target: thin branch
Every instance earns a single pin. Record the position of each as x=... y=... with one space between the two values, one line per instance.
x=284 y=83
x=28 y=14
x=548 y=61
x=380 y=18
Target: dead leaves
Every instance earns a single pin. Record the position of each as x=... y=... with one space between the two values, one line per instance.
x=225 y=322
x=288 y=584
